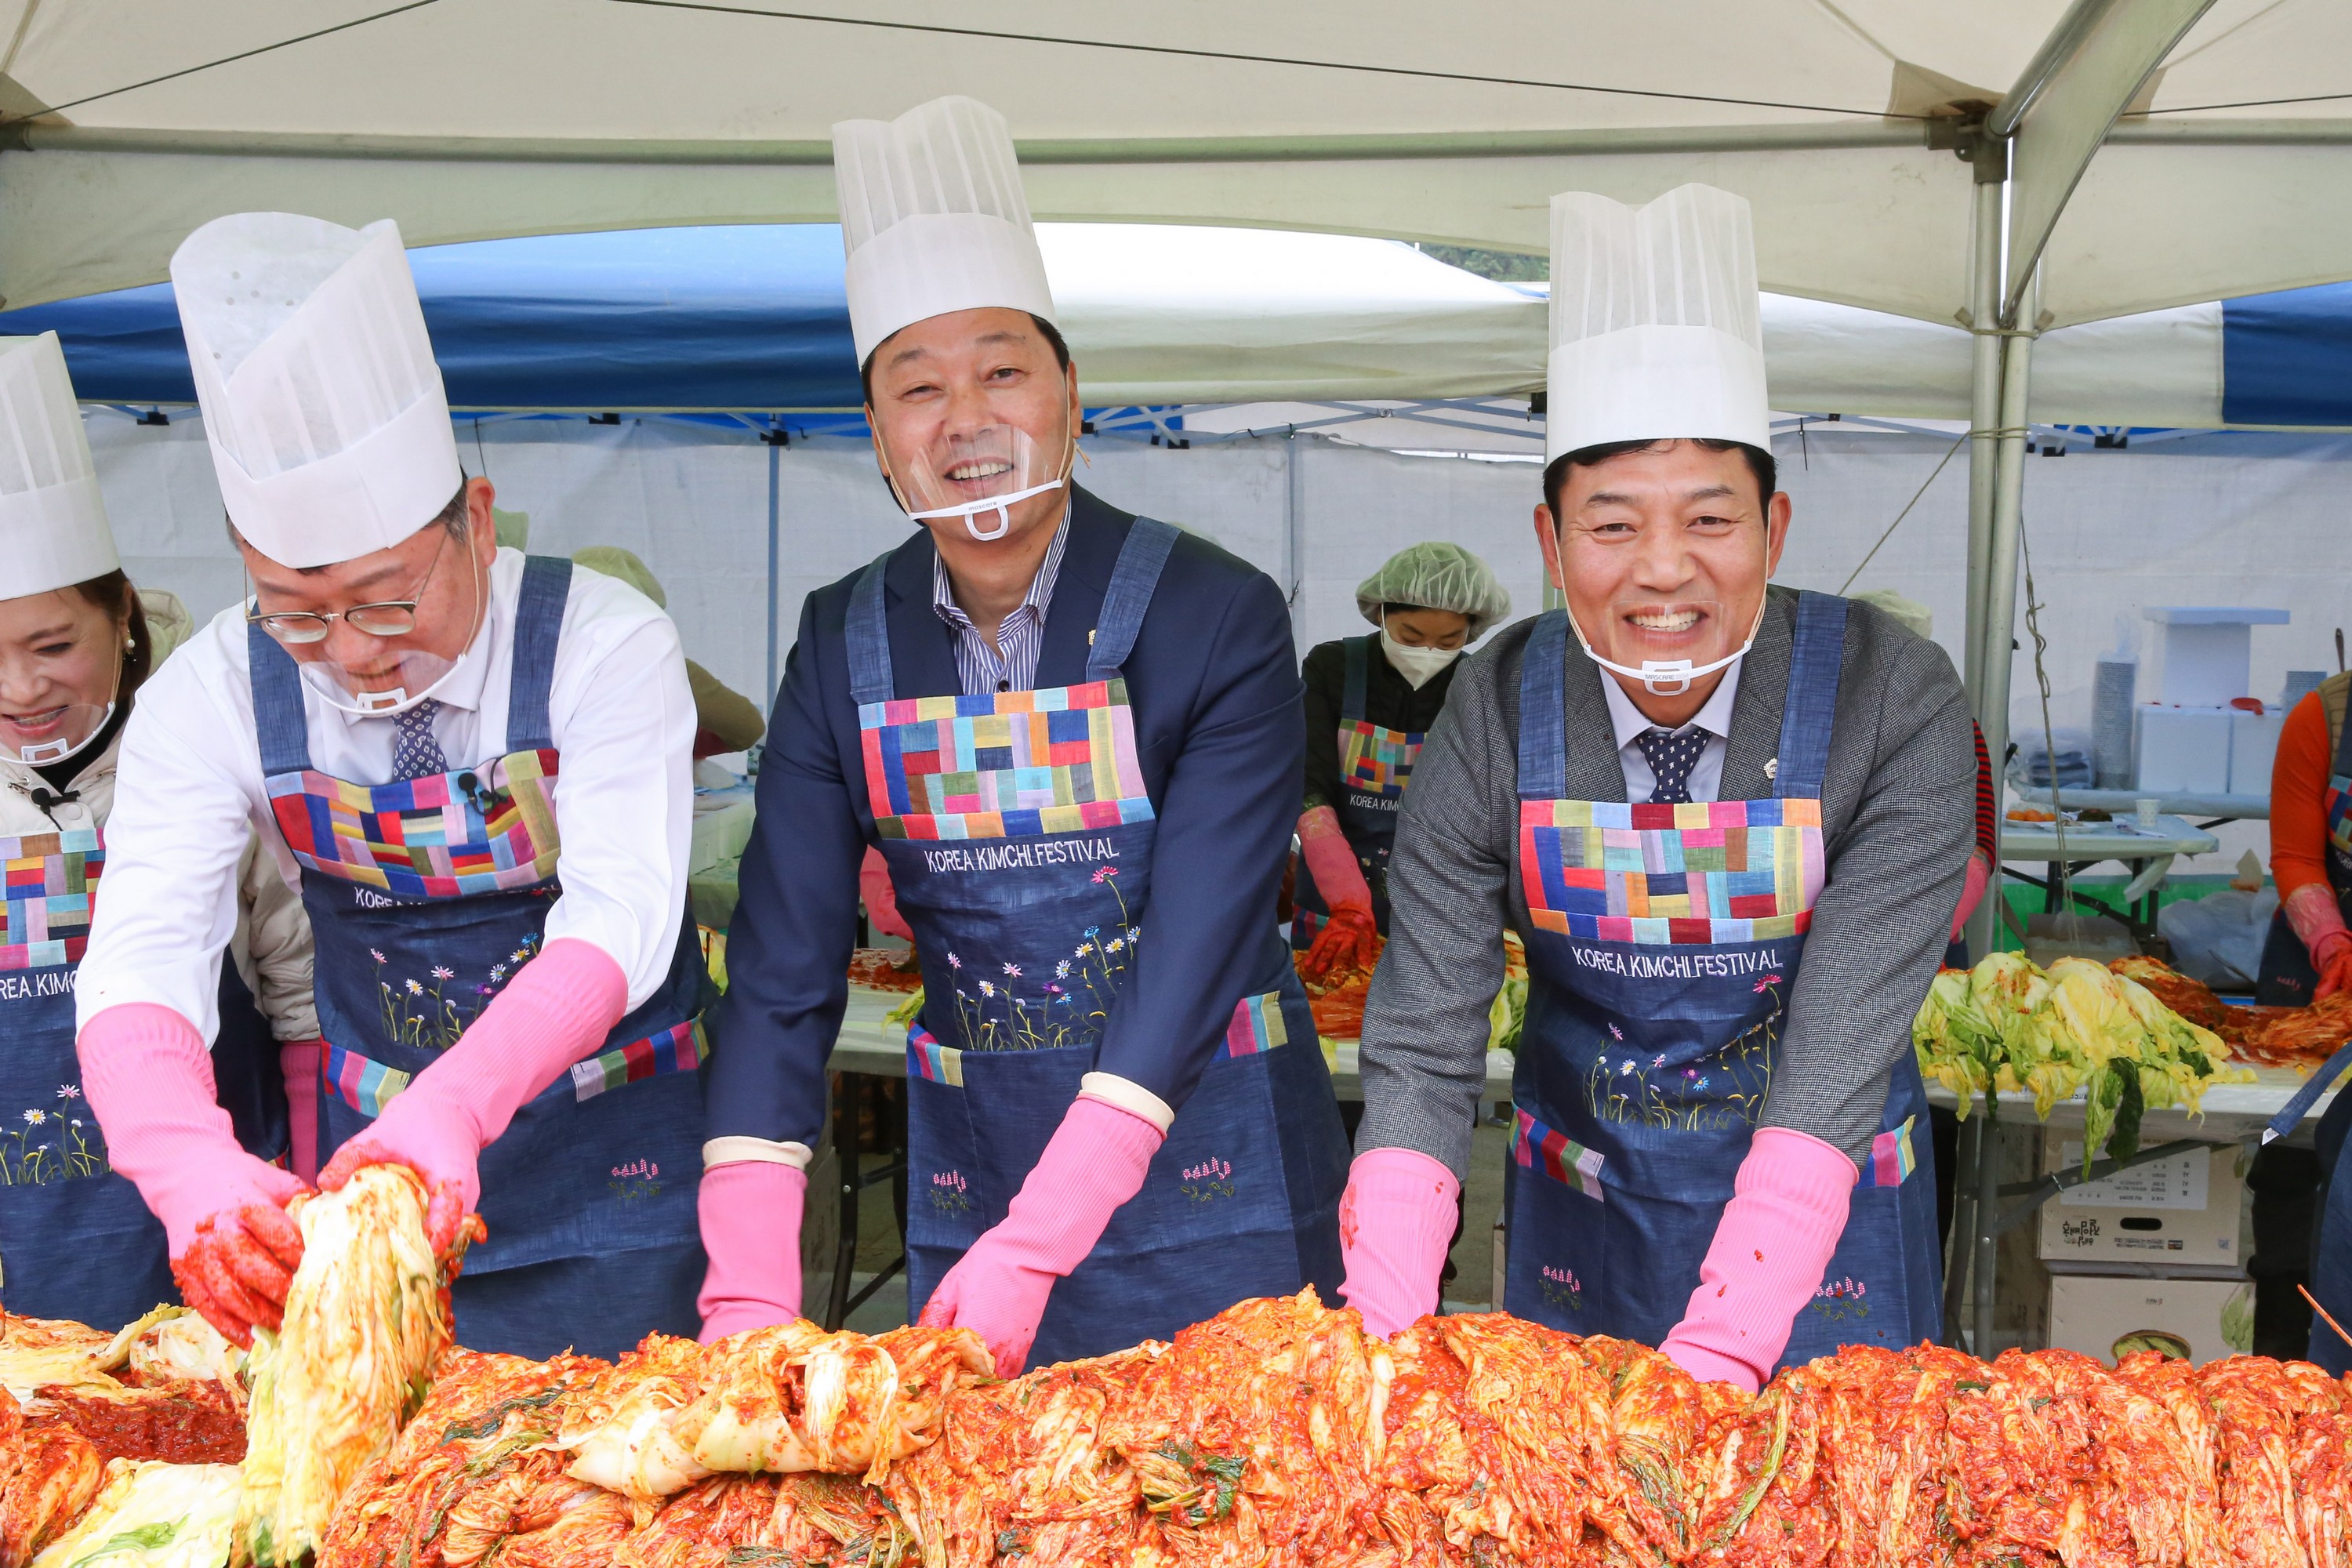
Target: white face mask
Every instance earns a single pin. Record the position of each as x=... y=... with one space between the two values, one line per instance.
x=1419 y=666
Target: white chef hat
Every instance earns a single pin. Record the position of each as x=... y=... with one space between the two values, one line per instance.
x=933 y=220
x=53 y=528
x=1655 y=330
x=328 y=425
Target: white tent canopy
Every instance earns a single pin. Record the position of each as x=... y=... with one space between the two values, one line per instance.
x=468 y=119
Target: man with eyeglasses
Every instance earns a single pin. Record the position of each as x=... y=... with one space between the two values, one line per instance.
x=421 y=726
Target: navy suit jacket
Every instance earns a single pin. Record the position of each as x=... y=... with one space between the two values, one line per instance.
x=1214 y=683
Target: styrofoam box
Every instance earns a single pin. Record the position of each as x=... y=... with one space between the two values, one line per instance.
x=2253 y=746
x=2183 y=750
x=2093 y=1312
x=2181 y=1211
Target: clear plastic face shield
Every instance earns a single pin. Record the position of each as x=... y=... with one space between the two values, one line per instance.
x=1667 y=643
x=374 y=659
x=46 y=713
x=978 y=476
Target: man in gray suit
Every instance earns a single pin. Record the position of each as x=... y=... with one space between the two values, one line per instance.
x=1730 y=823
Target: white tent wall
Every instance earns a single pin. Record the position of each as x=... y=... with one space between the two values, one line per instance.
x=2226 y=518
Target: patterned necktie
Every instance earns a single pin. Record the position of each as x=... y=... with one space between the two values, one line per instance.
x=416 y=753
x=1672 y=756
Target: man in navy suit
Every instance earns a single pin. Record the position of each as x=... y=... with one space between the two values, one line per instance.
x=1069 y=731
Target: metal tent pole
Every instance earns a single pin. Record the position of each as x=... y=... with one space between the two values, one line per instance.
x=1984 y=416
x=1992 y=714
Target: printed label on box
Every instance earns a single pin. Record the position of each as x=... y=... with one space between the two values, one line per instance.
x=2177 y=1184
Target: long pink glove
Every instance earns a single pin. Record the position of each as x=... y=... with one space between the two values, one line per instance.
x=1973 y=892
x=750 y=1212
x=2314 y=915
x=1331 y=860
x=1395 y=1221
x=556 y=1010
x=298 y=1063
x=232 y=1247
x=881 y=898
x=1094 y=1161
x=1787 y=1209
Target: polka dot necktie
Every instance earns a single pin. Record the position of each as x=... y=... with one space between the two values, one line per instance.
x=415 y=752
x=1672 y=755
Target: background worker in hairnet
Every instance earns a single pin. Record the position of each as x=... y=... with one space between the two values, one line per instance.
x=1370 y=700
x=724 y=719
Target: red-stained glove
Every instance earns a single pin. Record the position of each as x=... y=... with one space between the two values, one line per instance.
x=2315 y=916
x=297 y=1062
x=556 y=1010
x=1096 y=1160
x=881 y=898
x=1349 y=940
x=2332 y=956
x=233 y=1248
x=1774 y=1241
x=1973 y=892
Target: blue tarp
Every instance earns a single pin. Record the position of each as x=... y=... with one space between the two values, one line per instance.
x=739 y=317
x=2286 y=358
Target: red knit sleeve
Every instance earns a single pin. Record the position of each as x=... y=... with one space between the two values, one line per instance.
x=2298 y=790
x=1988 y=803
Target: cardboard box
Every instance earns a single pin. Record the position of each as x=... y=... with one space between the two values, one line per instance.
x=2099 y=1315
x=2177 y=1213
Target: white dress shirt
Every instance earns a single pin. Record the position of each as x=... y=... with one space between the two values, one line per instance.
x=1715 y=719
x=191 y=790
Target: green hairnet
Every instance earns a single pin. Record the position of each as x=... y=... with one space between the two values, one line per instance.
x=1909 y=613
x=1436 y=576
x=615 y=561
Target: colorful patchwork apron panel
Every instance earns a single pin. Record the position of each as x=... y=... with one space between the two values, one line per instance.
x=1713 y=873
x=1376 y=759
x=1011 y=765
x=446 y=836
x=52 y=878
x=367 y=1086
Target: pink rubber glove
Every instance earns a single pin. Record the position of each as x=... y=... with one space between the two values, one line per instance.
x=297 y=1062
x=881 y=898
x=556 y=1010
x=1094 y=1161
x=1787 y=1209
x=751 y=1213
x=232 y=1247
x=1395 y=1221
x=1972 y=893
x=1332 y=860
x=2314 y=915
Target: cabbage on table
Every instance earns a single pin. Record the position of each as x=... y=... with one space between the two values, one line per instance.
x=367 y=1317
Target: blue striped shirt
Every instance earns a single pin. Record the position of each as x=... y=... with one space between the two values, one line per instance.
x=1010 y=663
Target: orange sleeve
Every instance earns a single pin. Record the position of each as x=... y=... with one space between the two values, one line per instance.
x=2298 y=791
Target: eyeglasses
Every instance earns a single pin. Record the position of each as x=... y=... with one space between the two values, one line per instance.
x=380 y=618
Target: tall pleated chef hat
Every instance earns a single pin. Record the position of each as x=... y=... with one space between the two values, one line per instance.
x=53 y=528
x=327 y=423
x=1655 y=329
x=933 y=220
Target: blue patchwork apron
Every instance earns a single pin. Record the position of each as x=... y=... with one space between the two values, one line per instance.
x=76 y=1241
x=1019 y=838
x=1375 y=764
x=1664 y=944
x=2287 y=980
x=425 y=895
